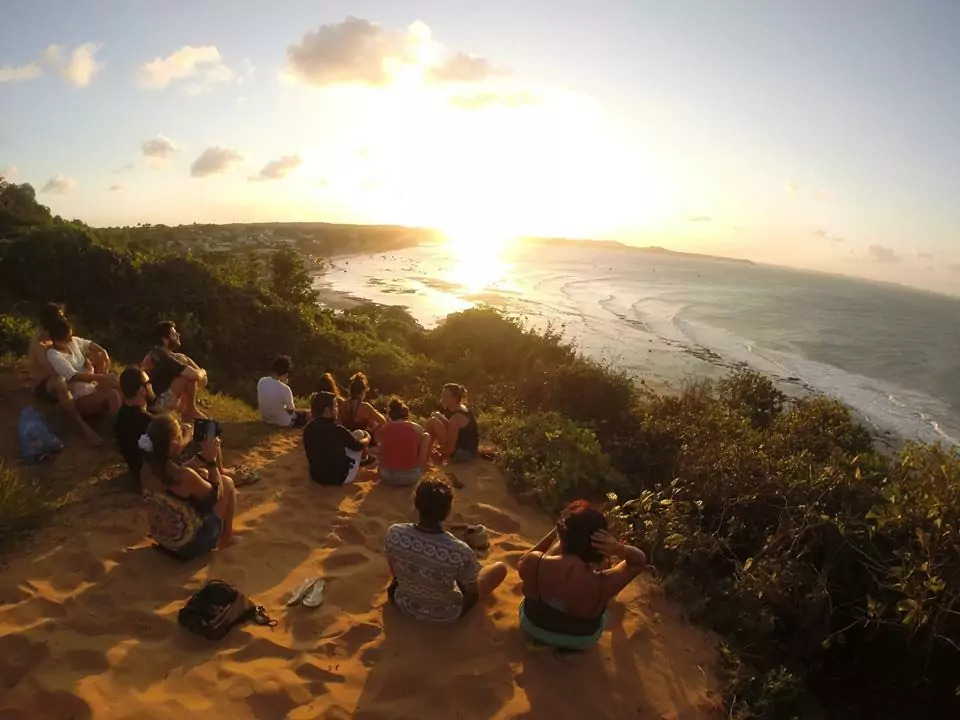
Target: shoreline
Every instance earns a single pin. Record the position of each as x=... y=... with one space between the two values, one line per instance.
x=654 y=377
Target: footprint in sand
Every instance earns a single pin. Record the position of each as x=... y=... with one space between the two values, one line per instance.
x=318 y=677
x=341 y=560
x=260 y=648
x=349 y=534
x=359 y=635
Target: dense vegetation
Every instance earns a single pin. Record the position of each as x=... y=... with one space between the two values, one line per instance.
x=831 y=573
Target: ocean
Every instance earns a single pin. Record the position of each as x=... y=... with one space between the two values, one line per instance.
x=891 y=353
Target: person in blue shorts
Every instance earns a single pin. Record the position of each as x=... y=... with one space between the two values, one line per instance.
x=566 y=586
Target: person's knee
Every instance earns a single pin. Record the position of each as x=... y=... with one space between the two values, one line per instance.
x=229 y=487
x=498 y=572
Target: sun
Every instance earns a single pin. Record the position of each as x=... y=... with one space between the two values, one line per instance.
x=478 y=254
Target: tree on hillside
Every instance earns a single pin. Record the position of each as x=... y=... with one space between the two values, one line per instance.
x=289 y=279
x=19 y=208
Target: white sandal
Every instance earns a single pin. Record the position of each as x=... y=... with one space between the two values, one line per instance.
x=302 y=590
x=314 y=595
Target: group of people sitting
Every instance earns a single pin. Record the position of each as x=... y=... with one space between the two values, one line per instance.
x=343 y=433
x=191 y=497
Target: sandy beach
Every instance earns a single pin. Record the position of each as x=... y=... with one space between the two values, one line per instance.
x=88 y=618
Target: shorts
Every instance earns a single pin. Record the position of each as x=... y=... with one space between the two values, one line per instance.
x=468 y=600
x=166 y=402
x=559 y=640
x=206 y=539
x=462 y=455
x=42 y=393
x=401 y=478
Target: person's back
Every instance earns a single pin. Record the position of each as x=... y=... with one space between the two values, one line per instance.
x=430 y=568
x=399 y=443
x=565 y=595
x=333 y=453
x=130 y=423
x=275 y=401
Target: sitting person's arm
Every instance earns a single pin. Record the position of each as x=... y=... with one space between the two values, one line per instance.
x=619 y=576
x=37 y=352
x=191 y=485
x=467 y=576
x=454 y=426
x=373 y=416
x=62 y=367
x=98 y=356
x=350 y=441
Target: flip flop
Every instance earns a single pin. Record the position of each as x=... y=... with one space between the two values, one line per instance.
x=314 y=595
x=302 y=590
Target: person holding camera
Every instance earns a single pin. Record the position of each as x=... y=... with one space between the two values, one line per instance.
x=190 y=508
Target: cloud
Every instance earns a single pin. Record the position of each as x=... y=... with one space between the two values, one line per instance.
x=477 y=101
x=19 y=73
x=200 y=64
x=123 y=169
x=955 y=267
x=925 y=255
x=80 y=67
x=462 y=68
x=700 y=218
x=9 y=172
x=836 y=240
x=59 y=185
x=214 y=160
x=820 y=233
x=159 y=147
x=114 y=188
x=278 y=169
x=883 y=254
x=353 y=52
x=360 y=52
x=792 y=187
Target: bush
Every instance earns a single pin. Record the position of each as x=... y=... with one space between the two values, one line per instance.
x=22 y=505
x=550 y=457
x=15 y=334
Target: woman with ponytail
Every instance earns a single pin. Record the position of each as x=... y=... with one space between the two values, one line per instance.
x=191 y=505
x=454 y=429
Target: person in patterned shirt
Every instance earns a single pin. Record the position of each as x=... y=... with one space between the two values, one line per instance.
x=436 y=576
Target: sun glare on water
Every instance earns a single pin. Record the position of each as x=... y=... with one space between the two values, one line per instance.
x=479 y=257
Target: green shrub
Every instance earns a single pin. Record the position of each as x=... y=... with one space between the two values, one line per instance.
x=15 y=334
x=22 y=504
x=551 y=457
x=752 y=394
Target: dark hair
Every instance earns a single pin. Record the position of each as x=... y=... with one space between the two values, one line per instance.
x=161 y=432
x=328 y=383
x=397 y=409
x=459 y=392
x=433 y=500
x=358 y=386
x=282 y=365
x=322 y=401
x=131 y=380
x=578 y=522
x=161 y=331
x=59 y=329
x=49 y=314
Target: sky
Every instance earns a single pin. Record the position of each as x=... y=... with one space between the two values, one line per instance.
x=815 y=134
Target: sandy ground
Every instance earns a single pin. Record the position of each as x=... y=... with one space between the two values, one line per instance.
x=88 y=620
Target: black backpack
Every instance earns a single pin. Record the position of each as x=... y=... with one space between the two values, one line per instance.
x=217 y=607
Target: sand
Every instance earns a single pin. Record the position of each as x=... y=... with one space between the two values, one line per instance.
x=88 y=620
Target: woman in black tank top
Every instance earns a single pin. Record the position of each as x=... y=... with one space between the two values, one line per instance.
x=454 y=429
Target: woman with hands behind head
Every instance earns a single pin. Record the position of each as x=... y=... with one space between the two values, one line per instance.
x=566 y=587
x=190 y=505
